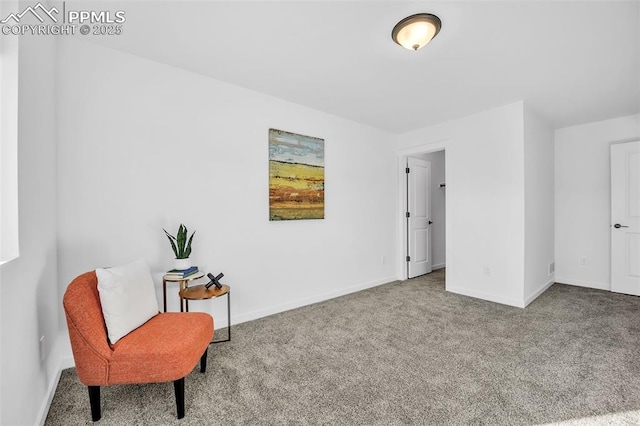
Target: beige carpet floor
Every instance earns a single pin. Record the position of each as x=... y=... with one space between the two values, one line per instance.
x=404 y=353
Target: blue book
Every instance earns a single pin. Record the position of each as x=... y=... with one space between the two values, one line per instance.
x=183 y=273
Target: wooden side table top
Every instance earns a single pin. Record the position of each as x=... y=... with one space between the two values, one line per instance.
x=200 y=292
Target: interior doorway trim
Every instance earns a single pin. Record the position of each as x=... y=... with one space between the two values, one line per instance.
x=402 y=156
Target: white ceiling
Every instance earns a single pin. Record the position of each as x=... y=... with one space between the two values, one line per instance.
x=571 y=61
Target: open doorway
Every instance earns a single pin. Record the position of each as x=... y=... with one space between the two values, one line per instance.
x=437 y=198
x=423 y=212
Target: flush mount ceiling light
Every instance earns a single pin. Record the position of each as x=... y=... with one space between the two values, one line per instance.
x=415 y=31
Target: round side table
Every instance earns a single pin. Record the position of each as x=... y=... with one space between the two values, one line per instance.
x=184 y=283
x=200 y=292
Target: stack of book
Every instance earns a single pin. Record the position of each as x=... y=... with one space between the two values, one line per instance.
x=182 y=273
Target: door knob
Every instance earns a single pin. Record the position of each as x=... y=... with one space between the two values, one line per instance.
x=430 y=222
x=617 y=225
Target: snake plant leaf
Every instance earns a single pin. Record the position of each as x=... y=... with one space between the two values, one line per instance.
x=171 y=240
x=187 y=251
x=182 y=240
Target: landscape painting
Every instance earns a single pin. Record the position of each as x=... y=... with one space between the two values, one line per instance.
x=296 y=176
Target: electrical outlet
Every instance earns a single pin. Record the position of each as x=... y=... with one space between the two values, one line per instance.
x=552 y=267
x=583 y=261
x=384 y=260
x=43 y=348
x=487 y=271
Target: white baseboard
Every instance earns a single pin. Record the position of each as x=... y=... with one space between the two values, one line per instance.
x=44 y=409
x=438 y=266
x=583 y=283
x=58 y=361
x=486 y=296
x=67 y=362
x=261 y=313
x=503 y=300
x=538 y=292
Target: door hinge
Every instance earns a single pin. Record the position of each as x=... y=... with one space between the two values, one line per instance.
x=408 y=214
x=408 y=258
x=406 y=170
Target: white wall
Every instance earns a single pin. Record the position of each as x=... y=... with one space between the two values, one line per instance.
x=9 y=54
x=134 y=134
x=144 y=146
x=438 y=211
x=539 y=206
x=485 y=201
x=583 y=199
x=29 y=292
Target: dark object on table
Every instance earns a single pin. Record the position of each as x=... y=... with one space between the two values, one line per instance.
x=214 y=280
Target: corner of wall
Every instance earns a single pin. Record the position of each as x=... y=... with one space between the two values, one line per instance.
x=539 y=205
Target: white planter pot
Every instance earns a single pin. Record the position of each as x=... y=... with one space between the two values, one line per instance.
x=181 y=264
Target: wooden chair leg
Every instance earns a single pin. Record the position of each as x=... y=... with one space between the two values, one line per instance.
x=203 y=361
x=178 y=386
x=94 y=400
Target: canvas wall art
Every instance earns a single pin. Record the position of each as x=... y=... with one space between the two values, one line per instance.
x=296 y=176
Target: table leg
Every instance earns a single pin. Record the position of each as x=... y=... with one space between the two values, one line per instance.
x=164 y=293
x=180 y=295
x=228 y=339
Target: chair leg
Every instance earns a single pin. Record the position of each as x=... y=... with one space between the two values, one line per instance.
x=178 y=386
x=94 y=400
x=203 y=361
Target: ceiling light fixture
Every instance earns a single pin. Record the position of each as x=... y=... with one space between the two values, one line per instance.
x=415 y=31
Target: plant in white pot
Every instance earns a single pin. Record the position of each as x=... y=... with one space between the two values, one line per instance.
x=181 y=247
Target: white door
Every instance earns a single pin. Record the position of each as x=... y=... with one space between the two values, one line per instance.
x=418 y=215
x=625 y=218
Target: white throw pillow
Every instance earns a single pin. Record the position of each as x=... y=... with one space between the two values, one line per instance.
x=128 y=297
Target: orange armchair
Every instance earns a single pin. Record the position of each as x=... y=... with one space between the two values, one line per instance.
x=165 y=348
